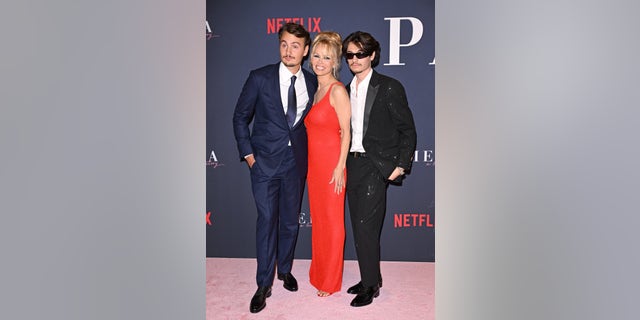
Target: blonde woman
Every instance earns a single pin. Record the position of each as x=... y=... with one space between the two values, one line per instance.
x=328 y=134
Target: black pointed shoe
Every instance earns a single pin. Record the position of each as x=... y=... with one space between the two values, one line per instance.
x=259 y=300
x=290 y=283
x=365 y=297
x=355 y=289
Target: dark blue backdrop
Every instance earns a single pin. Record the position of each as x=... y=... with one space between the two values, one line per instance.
x=241 y=36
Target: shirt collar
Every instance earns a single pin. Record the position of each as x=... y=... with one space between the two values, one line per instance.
x=364 y=82
x=285 y=74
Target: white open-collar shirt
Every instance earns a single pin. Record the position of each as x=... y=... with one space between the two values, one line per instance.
x=358 y=97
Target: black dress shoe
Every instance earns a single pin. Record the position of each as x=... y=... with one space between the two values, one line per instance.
x=259 y=300
x=290 y=282
x=365 y=296
x=359 y=287
x=356 y=288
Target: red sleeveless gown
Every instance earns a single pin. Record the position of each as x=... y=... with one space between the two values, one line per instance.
x=327 y=207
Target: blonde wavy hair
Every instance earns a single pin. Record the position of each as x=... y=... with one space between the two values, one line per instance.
x=333 y=42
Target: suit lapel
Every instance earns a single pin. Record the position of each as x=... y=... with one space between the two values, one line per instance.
x=309 y=84
x=275 y=83
x=310 y=91
x=372 y=91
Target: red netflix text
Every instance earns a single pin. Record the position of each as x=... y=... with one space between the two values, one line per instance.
x=312 y=24
x=409 y=220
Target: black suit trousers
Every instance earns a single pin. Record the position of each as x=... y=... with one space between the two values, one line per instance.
x=367 y=198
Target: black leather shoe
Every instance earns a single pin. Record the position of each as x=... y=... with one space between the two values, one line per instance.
x=290 y=282
x=259 y=300
x=365 y=296
x=356 y=288
x=359 y=287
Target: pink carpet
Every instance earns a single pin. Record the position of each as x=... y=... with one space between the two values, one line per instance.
x=407 y=293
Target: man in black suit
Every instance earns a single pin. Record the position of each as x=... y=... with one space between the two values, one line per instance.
x=276 y=98
x=382 y=147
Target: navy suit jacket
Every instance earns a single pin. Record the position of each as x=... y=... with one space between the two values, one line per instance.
x=268 y=139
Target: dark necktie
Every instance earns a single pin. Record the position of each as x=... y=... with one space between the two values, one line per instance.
x=292 y=107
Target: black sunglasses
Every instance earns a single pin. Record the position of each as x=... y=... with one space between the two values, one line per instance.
x=359 y=55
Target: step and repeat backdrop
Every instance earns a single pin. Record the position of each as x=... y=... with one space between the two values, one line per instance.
x=241 y=36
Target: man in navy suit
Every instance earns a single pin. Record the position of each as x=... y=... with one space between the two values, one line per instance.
x=276 y=98
x=383 y=141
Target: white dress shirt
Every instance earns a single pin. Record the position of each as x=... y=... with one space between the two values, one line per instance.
x=302 y=97
x=358 y=97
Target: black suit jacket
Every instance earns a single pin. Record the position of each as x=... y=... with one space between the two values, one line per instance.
x=389 y=130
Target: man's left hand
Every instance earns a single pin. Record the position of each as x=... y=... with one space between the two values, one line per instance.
x=396 y=173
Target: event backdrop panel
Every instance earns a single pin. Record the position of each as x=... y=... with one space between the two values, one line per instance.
x=242 y=36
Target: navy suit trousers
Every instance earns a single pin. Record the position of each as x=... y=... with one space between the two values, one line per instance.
x=278 y=199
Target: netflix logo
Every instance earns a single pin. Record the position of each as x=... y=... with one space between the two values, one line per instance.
x=412 y=220
x=312 y=24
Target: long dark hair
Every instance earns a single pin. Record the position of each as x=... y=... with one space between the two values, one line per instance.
x=366 y=42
